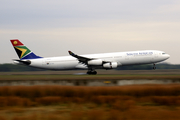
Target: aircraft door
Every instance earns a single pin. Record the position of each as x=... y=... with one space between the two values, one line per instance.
x=46 y=62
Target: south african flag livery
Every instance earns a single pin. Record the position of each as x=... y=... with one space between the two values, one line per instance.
x=22 y=51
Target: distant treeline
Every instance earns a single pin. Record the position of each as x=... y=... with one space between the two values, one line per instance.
x=19 y=68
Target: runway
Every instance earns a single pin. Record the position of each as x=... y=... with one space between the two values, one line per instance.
x=77 y=78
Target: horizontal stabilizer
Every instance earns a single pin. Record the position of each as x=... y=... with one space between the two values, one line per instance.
x=27 y=62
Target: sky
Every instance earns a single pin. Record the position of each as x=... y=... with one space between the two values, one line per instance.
x=52 y=27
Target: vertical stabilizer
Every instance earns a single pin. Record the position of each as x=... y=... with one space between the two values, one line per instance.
x=22 y=51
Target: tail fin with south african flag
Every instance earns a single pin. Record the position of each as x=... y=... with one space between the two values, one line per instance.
x=22 y=51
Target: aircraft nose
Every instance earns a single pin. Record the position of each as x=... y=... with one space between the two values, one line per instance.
x=168 y=56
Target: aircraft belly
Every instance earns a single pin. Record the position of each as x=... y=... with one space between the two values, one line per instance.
x=54 y=65
x=158 y=59
x=62 y=65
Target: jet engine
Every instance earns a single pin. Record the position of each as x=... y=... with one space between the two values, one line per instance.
x=110 y=65
x=95 y=62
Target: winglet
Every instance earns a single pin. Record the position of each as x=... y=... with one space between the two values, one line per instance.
x=71 y=53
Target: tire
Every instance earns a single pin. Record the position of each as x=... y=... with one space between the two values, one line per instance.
x=91 y=72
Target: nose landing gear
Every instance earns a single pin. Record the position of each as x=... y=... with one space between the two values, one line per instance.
x=154 y=66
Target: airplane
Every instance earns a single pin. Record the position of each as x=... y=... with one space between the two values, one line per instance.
x=89 y=62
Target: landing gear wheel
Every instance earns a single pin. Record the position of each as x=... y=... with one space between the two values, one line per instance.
x=94 y=72
x=91 y=72
x=154 y=66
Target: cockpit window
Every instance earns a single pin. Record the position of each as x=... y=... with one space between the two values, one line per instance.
x=163 y=53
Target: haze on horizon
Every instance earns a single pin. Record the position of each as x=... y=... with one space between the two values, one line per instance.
x=51 y=28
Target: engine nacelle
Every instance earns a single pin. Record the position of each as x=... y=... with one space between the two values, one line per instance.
x=95 y=62
x=110 y=65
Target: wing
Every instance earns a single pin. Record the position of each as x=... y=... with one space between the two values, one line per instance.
x=92 y=63
x=80 y=58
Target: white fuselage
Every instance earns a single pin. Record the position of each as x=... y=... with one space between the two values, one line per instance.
x=121 y=58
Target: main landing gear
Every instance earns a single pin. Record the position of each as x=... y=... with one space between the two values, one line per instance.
x=154 y=66
x=91 y=72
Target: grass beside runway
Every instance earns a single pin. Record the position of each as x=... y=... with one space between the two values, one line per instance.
x=90 y=103
x=136 y=102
